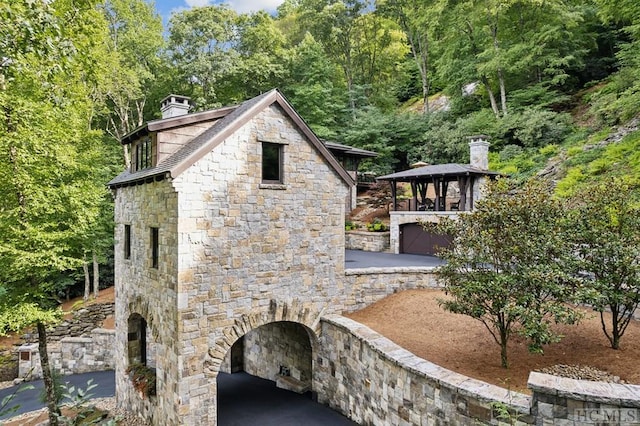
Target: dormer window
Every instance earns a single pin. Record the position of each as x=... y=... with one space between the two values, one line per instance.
x=142 y=154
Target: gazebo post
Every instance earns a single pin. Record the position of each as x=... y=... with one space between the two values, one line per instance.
x=462 y=184
x=436 y=187
x=445 y=187
x=414 y=191
x=393 y=194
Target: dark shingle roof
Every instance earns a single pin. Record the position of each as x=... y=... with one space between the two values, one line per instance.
x=451 y=169
x=220 y=130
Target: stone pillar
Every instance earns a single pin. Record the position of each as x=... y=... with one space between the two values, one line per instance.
x=29 y=362
x=479 y=152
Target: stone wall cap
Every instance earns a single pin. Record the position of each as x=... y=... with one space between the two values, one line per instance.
x=390 y=270
x=585 y=390
x=28 y=347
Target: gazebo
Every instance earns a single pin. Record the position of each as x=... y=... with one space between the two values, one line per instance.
x=439 y=176
x=433 y=198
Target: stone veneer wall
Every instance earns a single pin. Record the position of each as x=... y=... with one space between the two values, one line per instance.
x=559 y=401
x=278 y=344
x=368 y=285
x=367 y=241
x=373 y=381
x=71 y=355
x=149 y=292
x=402 y=218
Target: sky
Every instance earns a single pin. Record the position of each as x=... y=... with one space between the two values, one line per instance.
x=166 y=7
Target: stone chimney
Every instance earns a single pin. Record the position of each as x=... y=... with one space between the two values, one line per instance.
x=479 y=152
x=175 y=105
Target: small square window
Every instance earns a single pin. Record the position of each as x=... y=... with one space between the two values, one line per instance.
x=127 y=241
x=272 y=162
x=154 y=247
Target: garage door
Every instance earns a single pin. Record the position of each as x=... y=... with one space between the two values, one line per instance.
x=415 y=240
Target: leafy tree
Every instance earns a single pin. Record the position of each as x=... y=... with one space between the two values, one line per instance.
x=262 y=61
x=605 y=223
x=507 y=265
x=392 y=135
x=134 y=48
x=508 y=45
x=365 y=45
x=203 y=43
x=48 y=151
x=414 y=17
x=315 y=88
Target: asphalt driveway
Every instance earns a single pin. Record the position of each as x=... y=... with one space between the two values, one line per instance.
x=243 y=400
x=369 y=259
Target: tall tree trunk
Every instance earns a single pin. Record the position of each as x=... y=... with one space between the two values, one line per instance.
x=87 y=279
x=420 y=52
x=504 y=338
x=96 y=276
x=47 y=377
x=503 y=92
x=492 y=98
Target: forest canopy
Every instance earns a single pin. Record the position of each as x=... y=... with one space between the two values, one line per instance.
x=407 y=78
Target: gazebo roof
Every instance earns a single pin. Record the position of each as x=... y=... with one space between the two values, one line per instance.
x=438 y=170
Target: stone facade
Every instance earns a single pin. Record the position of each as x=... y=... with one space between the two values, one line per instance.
x=235 y=254
x=368 y=285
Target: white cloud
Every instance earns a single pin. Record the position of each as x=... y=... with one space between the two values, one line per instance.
x=246 y=6
x=196 y=3
x=240 y=6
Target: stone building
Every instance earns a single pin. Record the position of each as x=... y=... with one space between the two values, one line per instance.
x=229 y=248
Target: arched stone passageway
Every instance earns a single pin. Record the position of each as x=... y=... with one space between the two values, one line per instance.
x=280 y=351
x=266 y=372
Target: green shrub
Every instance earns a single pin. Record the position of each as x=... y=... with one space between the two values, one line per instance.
x=350 y=226
x=549 y=150
x=376 y=226
x=570 y=183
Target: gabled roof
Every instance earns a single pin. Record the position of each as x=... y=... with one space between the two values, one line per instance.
x=437 y=170
x=232 y=119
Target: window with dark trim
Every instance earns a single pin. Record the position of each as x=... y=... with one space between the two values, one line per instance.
x=142 y=154
x=154 y=247
x=272 y=162
x=127 y=241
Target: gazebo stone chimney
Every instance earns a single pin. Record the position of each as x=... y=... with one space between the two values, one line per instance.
x=175 y=105
x=479 y=152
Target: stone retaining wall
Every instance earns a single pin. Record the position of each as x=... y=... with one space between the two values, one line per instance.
x=367 y=241
x=368 y=285
x=373 y=381
x=71 y=355
x=83 y=322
